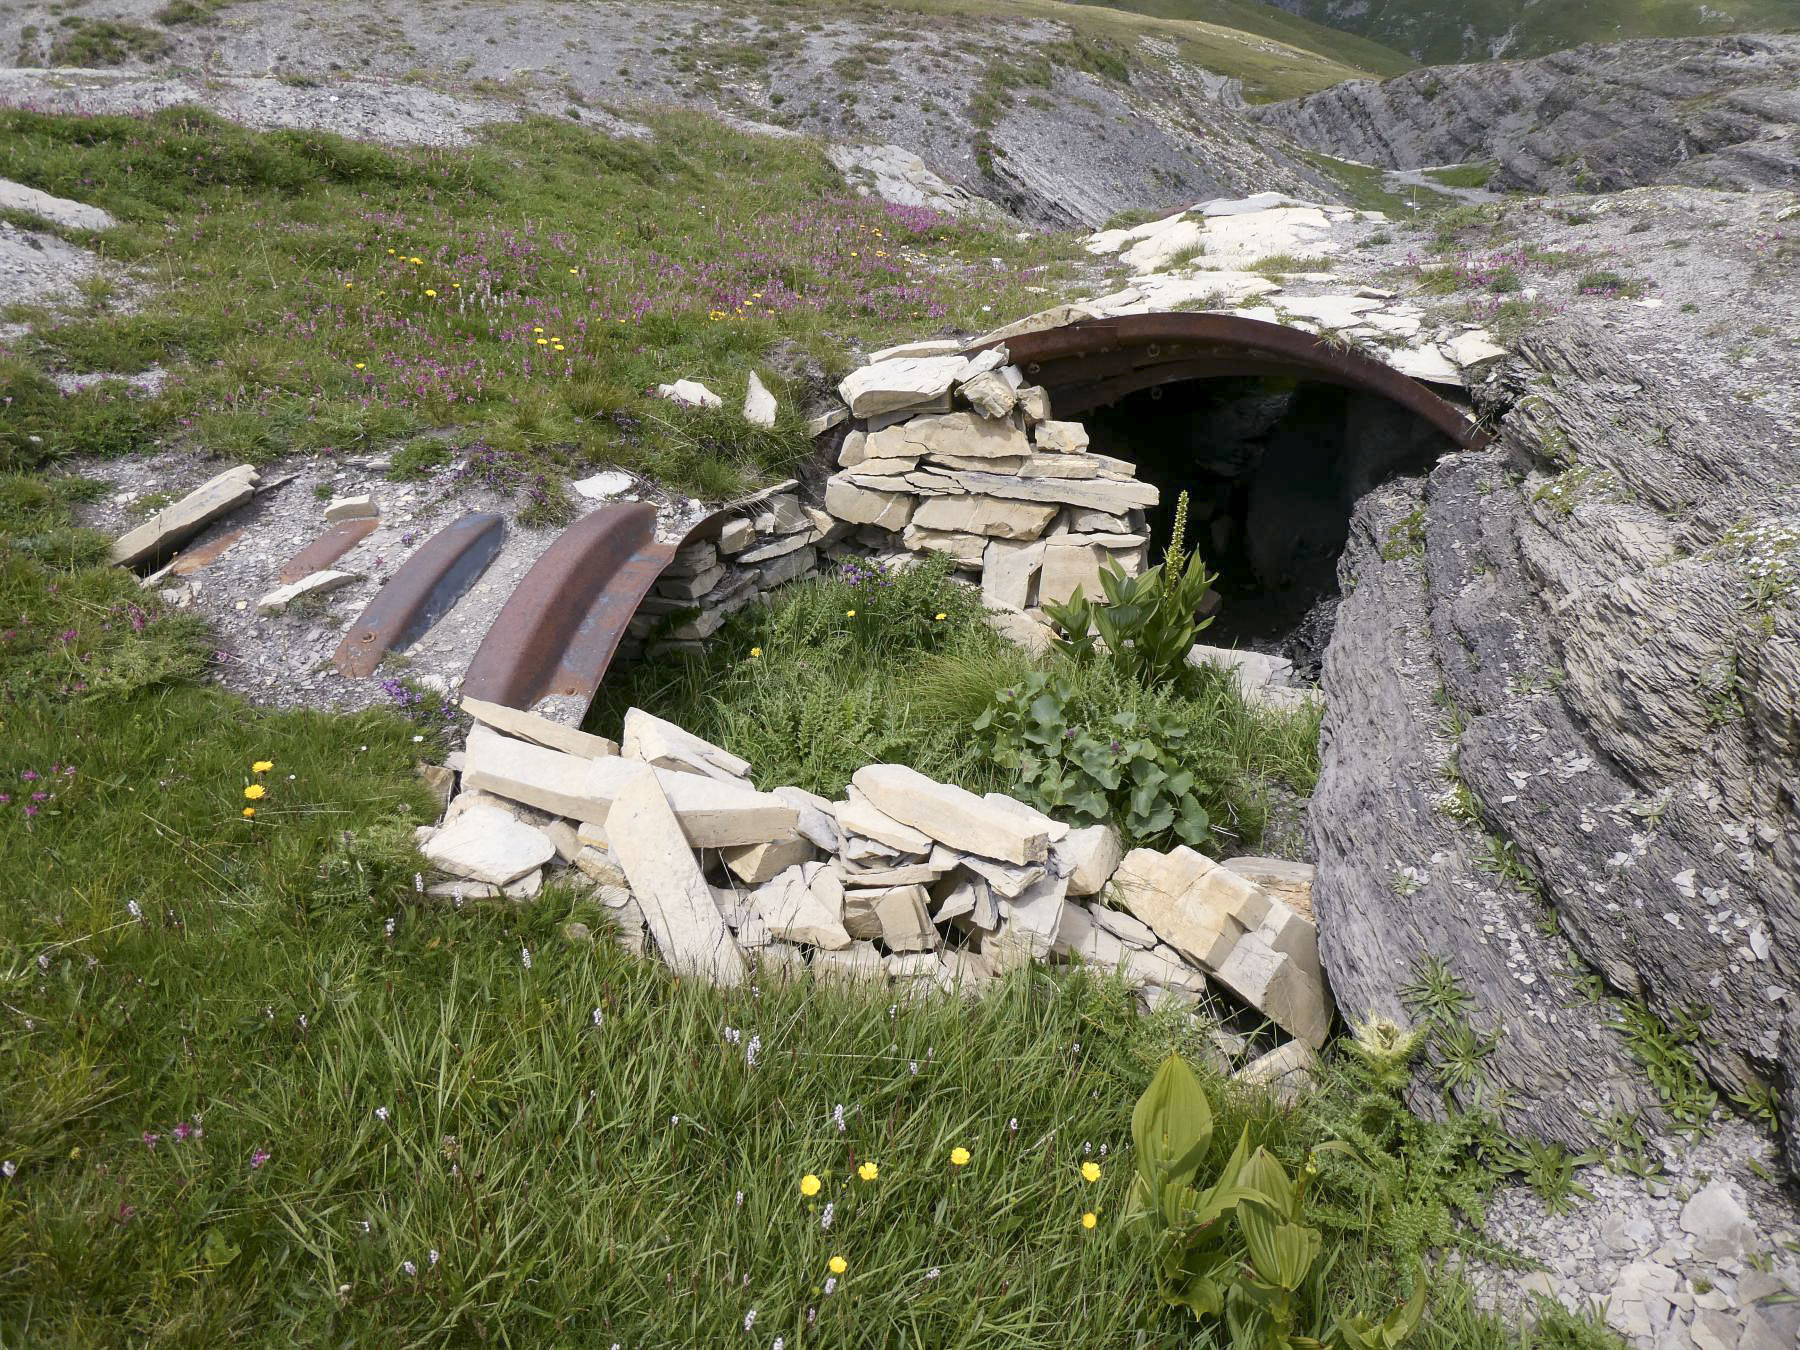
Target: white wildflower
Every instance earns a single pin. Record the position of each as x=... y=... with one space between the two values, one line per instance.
x=381 y=1113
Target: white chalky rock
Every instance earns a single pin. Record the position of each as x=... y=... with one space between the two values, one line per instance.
x=984 y=515
x=989 y=394
x=902 y=382
x=905 y=922
x=714 y=813
x=1278 y=878
x=1278 y=986
x=318 y=583
x=1287 y=1071
x=1063 y=438
x=1189 y=901
x=62 y=211
x=649 y=738
x=360 y=507
x=859 y=816
x=689 y=394
x=757 y=863
x=951 y=815
x=1009 y=572
x=793 y=911
x=551 y=780
x=1474 y=348
x=526 y=726
x=815 y=819
x=863 y=506
x=177 y=523
x=658 y=860
x=961 y=434
x=487 y=843
x=759 y=403
x=859 y=963
x=1088 y=857
x=1718 y=1222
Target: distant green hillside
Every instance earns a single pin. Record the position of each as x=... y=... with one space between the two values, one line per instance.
x=1437 y=31
x=1280 y=20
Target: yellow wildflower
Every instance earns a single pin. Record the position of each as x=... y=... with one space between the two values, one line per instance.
x=543 y=342
x=349 y=284
x=959 y=1156
x=561 y=348
x=249 y=813
x=416 y=262
x=838 y=1265
x=360 y=364
x=390 y=253
x=262 y=766
x=537 y=330
x=809 y=1185
x=1089 y=1219
x=573 y=271
x=849 y=614
x=756 y=651
x=940 y=617
x=868 y=1171
x=431 y=295
x=1090 y=1171
x=256 y=792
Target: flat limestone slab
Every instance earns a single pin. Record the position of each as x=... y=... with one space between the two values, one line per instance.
x=317 y=583
x=678 y=907
x=713 y=814
x=668 y=746
x=551 y=780
x=951 y=815
x=528 y=726
x=793 y=911
x=901 y=382
x=184 y=519
x=860 y=816
x=1189 y=901
x=486 y=843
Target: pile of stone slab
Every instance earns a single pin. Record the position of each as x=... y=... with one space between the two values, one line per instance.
x=959 y=455
x=775 y=540
x=905 y=880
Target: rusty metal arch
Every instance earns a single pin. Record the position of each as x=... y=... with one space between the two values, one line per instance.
x=1093 y=362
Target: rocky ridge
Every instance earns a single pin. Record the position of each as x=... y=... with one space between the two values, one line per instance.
x=1714 y=112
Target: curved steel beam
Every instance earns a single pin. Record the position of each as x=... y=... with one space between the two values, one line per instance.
x=425 y=588
x=1081 y=361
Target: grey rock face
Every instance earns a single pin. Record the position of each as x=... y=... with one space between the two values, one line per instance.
x=1710 y=112
x=1627 y=689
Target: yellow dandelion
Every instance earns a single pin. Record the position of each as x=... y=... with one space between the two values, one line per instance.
x=431 y=295
x=849 y=614
x=868 y=1171
x=853 y=253
x=756 y=651
x=416 y=262
x=809 y=1185
x=837 y=1265
x=574 y=271
x=959 y=1156
x=1089 y=1219
x=537 y=330
x=543 y=342
x=256 y=792
x=456 y=285
x=249 y=813
x=349 y=284
x=561 y=348
x=361 y=364
x=262 y=766
x=940 y=617
x=390 y=253
x=1090 y=1171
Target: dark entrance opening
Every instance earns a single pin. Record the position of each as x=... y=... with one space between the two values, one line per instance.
x=1273 y=466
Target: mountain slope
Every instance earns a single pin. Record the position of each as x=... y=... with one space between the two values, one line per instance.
x=1282 y=22
x=1474 y=30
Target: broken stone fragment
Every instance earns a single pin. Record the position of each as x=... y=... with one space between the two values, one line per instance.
x=825 y=421
x=754 y=864
x=655 y=855
x=793 y=911
x=486 y=843
x=1004 y=879
x=1289 y=882
x=861 y=506
x=1034 y=402
x=1062 y=438
x=978 y=514
x=951 y=815
x=815 y=819
x=1054 y=830
x=967 y=550
x=562 y=834
x=690 y=588
x=1130 y=930
x=859 y=816
x=963 y=435
x=714 y=813
x=181 y=521
x=318 y=583
x=1071 y=564
x=989 y=394
x=1009 y=573
x=1189 y=901
x=735 y=536
x=899 y=874
x=759 y=403
x=649 y=738
x=527 y=726
x=693 y=560
x=359 y=507
x=902 y=382
x=1115 y=496
x=689 y=394
x=1088 y=857
x=1277 y=986
x=551 y=780
x=1288 y=1071
x=859 y=963
x=905 y=922
x=597 y=862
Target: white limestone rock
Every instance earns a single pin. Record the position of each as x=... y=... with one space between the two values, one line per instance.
x=793 y=911
x=759 y=403
x=1088 y=857
x=1063 y=438
x=951 y=815
x=360 y=507
x=180 y=521
x=985 y=515
x=863 y=506
x=757 y=863
x=690 y=394
x=655 y=741
x=489 y=844
x=678 y=908
x=1189 y=901
x=902 y=382
x=316 y=583
x=526 y=726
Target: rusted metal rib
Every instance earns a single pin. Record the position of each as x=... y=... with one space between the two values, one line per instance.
x=1101 y=359
x=191 y=560
x=557 y=632
x=421 y=592
x=327 y=548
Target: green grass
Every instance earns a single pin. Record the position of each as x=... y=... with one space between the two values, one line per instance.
x=1464 y=175
x=260 y=1092
x=1435 y=31
x=1363 y=184
x=828 y=691
x=276 y=283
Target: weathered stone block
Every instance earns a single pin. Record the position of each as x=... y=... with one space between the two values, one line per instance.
x=977 y=514
x=951 y=815
x=655 y=854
